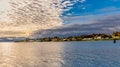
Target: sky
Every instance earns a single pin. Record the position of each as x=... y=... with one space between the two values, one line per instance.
x=91 y=10
x=42 y=18
x=87 y=16
x=23 y=17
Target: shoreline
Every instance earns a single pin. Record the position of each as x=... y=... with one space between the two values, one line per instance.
x=73 y=41
x=59 y=41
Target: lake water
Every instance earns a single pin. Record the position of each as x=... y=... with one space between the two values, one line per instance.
x=60 y=54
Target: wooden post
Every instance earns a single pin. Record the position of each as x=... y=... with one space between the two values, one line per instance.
x=114 y=41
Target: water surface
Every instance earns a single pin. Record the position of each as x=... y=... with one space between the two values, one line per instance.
x=60 y=54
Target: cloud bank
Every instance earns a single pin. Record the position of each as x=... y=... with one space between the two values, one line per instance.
x=107 y=24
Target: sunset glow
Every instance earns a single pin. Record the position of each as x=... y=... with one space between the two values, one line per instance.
x=26 y=16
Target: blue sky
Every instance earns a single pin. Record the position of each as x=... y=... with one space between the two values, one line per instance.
x=95 y=8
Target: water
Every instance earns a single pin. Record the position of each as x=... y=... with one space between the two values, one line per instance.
x=60 y=54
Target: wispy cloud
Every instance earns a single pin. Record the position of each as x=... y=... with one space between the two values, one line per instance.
x=82 y=1
x=67 y=5
x=109 y=9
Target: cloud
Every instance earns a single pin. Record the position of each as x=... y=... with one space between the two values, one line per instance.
x=109 y=9
x=26 y=16
x=82 y=1
x=67 y=5
x=11 y=33
x=106 y=24
x=30 y=15
x=81 y=19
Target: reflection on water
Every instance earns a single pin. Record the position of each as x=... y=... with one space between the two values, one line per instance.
x=5 y=51
x=30 y=55
x=67 y=54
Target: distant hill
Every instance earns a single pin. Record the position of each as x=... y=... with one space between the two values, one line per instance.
x=11 y=39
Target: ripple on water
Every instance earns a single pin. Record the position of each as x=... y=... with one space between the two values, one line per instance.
x=40 y=55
